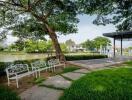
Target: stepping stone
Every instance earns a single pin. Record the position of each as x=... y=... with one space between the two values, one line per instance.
x=58 y=82
x=84 y=71
x=41 y=93
x=73 y=76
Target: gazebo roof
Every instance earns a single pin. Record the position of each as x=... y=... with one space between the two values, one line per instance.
x=119 y=35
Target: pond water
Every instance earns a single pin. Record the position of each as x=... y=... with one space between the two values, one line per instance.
x=12 y=57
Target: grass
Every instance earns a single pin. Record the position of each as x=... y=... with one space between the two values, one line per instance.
x=38 y=80
x=70 y=69
x=51 y=86
x=108 y=84
x=7 y=94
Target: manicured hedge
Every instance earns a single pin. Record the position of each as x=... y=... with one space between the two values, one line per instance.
x=7 y=94
x=81 y=57
x=84 y=57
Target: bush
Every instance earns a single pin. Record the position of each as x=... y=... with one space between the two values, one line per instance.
x=81 y=57
x=7 y=94
x=84 y=57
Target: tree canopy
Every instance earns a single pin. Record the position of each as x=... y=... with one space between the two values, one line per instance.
x=88 y=44
x=118 y=12
x=101 y=41
x=40 y=16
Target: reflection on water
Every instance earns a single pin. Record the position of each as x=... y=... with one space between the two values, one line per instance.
x=12 y=57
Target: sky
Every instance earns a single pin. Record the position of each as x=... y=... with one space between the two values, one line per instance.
x=86 y=30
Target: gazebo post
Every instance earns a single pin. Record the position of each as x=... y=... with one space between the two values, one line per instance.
x=114 y=46
x=121 y=46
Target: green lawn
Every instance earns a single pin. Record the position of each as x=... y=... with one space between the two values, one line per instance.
x=108 y=84
x=7 y=94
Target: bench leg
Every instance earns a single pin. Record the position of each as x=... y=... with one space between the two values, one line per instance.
x=54 y=69
x=36 y=74
x=17 y=82
x=39 y=73
x=64 y=65
x=8 y=82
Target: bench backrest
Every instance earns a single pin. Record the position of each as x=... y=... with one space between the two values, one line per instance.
x=17 y=69
x=53 y=62
x=38 y=64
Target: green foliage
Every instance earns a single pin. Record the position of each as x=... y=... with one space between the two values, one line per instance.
x=80 y=57
x=84 y=57
x=38 y=80
x=64 y=47
x=18 y=45
x=7 y=94
x=70 y=68
x=89 y=45
x=1 y=48
x=118 y=12
x=30 y=19
x=110 y=84
x=101 y=41
x=31 y=46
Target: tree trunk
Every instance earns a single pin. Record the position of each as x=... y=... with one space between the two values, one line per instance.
x=58 y=51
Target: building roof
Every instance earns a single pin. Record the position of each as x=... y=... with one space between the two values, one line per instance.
x=119 y=35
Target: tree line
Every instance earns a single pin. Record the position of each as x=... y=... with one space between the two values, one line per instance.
x=43 y=46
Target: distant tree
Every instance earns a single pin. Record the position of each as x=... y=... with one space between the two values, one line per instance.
x=70 y=42
x=101 y=41
x=89 y=45
x=38 y=46
x=1 y=48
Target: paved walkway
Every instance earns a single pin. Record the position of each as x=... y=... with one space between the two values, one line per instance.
x=100 y=63
x=52 y=88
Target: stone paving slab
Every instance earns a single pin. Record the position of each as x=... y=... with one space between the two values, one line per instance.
x=73 y=76
x=41 y=93
x=84 y=71
x=58 y=82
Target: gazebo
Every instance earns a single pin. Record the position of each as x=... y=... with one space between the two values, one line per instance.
x=125 y=35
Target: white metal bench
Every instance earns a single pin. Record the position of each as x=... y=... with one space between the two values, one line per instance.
x=17 y=71
x=39 y=66
x=53 y=63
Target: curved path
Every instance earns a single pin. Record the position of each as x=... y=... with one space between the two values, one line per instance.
x=52 y=88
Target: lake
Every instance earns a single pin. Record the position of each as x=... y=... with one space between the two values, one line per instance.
x=10 y=57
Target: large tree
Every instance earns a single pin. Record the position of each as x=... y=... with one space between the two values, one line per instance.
x=118 y=12
x=51 y=16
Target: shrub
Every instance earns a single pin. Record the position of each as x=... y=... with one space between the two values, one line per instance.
x=84 y=57
x=7 y=94
x=81 y=57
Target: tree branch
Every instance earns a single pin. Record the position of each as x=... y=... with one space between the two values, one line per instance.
x=3 y=3
x=48 y=14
